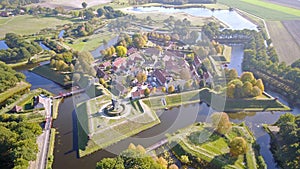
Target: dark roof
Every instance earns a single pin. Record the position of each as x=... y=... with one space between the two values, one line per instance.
x=131 y=50
x=160 y=76
x=197 y=61
x=152 y=51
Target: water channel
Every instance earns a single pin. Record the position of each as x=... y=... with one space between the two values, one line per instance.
x=66 y=141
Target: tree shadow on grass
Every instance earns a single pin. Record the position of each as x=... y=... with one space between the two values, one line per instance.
x=205 y=135
x=222 y=160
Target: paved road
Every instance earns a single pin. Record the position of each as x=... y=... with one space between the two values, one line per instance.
x=47 y=129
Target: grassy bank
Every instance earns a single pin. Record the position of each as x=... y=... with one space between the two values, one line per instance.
x=56 y=103
x=218 y=102
x=47 y=72
x=207 y=149
x=19 y=64
x=20 y=87
x=50 y=155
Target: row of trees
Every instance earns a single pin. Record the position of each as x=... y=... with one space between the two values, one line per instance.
x=9 y=77
x=182 y=29
x=74 y=62
x=17 y=142
x=19 y=49
x=134 y=157
x=287 y=153
x=137 y=40
x=14 y=3
x=257 y=57
x=63 y=62
x=109 y=12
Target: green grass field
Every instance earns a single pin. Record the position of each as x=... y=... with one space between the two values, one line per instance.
x=56 y=103
x=27 y=24
x=14 y=90
x=199 y=142
x=92 y=42
x=288 y=10
x=267 y=11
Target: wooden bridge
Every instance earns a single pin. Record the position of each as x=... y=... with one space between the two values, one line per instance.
x=64 y=95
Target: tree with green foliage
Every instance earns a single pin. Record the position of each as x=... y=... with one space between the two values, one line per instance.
x=121 y=51
x=9 y=77
x=238 y=146
x=221 y=123
x=247 y=76
x=260 y=85
x=17 y=142
x=100 y=12
x=163 y=162
x=171 y=89
x=84 y=4
x=247 y=88
x=287 y=153
x=184 y=159
x=139 y=40
x=107 y=163
x=141 y=77
x=147 y=92
x=256 y=91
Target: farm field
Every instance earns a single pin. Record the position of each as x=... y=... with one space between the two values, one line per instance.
x=293 y=28
x=285 y=45
x=276 y=7
x=261 y=11
x=289 y=3
x=27 y=24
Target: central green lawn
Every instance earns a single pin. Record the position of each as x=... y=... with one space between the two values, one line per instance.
x=28 y=24
x=105 y=131
x=268 y=11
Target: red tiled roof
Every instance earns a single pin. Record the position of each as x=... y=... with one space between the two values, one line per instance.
x=119 y=61
x=138 y=93
x=105 y=64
